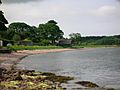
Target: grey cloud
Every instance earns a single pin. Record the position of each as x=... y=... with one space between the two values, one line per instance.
x=19 y=1
x=118 y=0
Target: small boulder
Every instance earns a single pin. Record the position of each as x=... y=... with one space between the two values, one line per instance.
x=2 y=70
x=87 y=84
x=18 y=77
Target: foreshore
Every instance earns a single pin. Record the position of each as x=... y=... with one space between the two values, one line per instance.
x=12 y=78
x=7 y=61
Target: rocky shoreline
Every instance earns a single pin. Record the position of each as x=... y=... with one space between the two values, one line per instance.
x=15 y=79
x=30 y=80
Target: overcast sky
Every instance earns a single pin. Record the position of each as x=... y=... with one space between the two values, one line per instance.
x=88 y=17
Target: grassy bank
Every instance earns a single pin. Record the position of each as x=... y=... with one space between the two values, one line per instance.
x=21 y=47
x=94 y=46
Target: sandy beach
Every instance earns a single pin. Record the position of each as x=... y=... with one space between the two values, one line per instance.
x=7 y=61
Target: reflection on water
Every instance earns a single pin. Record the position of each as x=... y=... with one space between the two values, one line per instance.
x=99 y=65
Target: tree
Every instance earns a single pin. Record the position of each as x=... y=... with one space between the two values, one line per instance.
x=21 y=29
x=52 y=21
x=33 y=34
x=3 y=21
x=50 y=31
x=76 y=37
x=2 y=18
x=54 y=32
x=43 y=32
x=16 y=37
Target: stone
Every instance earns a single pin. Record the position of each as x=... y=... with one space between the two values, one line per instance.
x=87 y=84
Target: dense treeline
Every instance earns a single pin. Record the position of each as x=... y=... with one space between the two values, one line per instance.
x=50 y=33
x=44 y=34
x=101 y=40
x=94 y=40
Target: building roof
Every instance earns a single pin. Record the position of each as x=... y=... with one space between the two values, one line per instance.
x=65 y=41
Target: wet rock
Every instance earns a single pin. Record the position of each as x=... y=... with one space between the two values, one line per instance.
x=61 y=79
x=109 y=89
x=28 y=71
x=18 y=77
x=87 y=84
x=2 y=70
x=31 y=80
x=48 y=74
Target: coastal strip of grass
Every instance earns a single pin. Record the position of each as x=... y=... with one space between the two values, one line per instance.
x=93 y=46
x=22 y=47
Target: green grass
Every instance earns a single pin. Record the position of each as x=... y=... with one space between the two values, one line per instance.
x=22 y=47
x=93 y=46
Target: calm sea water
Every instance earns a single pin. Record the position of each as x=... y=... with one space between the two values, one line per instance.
x=98 y=65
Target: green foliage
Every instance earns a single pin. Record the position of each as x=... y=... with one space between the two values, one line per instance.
x=45 y=34
x=16 y=37
x=27 y=40
x=108 y=41
x=21 y=29
x=3 y=34
x=45 y=42
x=52 y=21
x=50 y=31
x=77 y=47
x=2 y=18
x=2 y=27
x=100 y=40
x=76 y=38
x=34 y=36
x=3 y=21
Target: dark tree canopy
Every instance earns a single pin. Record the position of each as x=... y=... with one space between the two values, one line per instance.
x=2 y=18
x=50 y=31
x=3 y=28
x=76 y=37
x=45 y=34
x=52 y=21
x=19 y=29
x=3 y=21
